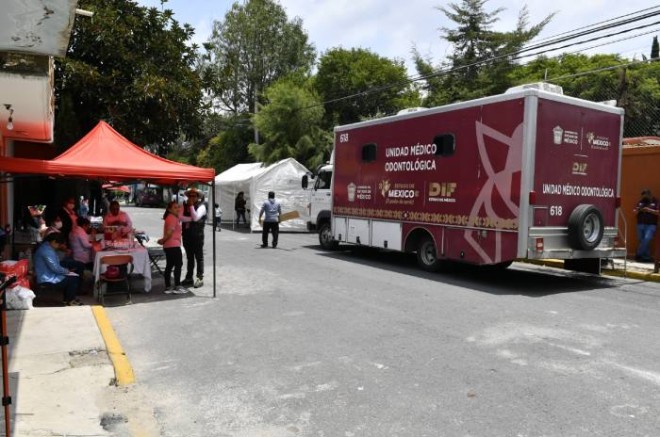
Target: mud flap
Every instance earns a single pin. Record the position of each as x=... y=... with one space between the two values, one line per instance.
x=585 y=265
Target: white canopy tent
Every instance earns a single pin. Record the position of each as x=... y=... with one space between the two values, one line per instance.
x=255 y=181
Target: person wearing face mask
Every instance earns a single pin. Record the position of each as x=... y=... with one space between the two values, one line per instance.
x=647 y=221
x=64 y=254
x=68 y=216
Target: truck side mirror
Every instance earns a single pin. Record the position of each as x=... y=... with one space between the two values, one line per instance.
x=305 y=182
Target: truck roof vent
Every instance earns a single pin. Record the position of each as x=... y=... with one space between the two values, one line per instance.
x=410 y=110
x=541 y=86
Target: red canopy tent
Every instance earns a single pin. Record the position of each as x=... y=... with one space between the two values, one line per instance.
x=111 y=187
x=105 y=154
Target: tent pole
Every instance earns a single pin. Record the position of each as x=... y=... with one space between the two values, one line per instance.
x=213 y=197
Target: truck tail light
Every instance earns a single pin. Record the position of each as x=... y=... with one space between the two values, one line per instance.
x=532 y=197
x=617 y=202
x=539 y=244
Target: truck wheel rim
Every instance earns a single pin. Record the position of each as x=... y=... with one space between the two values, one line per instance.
x=591 y=228
x=428 y=254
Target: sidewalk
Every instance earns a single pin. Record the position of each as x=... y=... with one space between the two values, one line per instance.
x=62 y=377
x=615 y=267
x=59 y=372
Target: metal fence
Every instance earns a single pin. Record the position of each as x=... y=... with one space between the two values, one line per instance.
x=636 y=90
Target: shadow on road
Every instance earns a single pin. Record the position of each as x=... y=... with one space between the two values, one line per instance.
x=519 y=279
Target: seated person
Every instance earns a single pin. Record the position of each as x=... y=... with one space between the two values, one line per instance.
x=81 y=246
x=63 y=252
x=118 y=218
x=49 y=271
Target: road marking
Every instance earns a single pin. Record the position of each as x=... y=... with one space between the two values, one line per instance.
x=123 y=370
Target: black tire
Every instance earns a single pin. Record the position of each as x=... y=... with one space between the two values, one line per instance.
x=427 y=257
x=585 y=227
x=501 y=266
x=326 y=239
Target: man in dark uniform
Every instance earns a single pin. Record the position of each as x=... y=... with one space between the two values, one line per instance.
x=193 y=220
x=647 y=222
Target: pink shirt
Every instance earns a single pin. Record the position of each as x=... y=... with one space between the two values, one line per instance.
x=173 y=224
x=80 y=245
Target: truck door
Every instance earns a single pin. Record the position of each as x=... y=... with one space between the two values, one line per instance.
x=320 y=196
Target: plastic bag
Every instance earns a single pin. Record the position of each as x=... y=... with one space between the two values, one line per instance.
x=112 y=272
x=19 y=298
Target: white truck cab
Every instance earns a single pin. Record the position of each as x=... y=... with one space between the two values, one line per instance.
x=319 y=205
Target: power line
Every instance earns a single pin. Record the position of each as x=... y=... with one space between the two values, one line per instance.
x=517 y=54
x=600 y=22
x=599 y=70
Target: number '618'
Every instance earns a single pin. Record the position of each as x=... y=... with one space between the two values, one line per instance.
x=555 y=210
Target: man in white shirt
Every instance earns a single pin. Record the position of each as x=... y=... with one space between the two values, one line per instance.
x=193 y=218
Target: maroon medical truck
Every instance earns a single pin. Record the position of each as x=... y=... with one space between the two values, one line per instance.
x=529 y=174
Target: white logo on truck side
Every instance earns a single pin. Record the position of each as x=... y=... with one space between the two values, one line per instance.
x=598 y=142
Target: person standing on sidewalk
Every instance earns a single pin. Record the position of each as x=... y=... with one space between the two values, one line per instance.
x=171 y=242
x=194 y=218
x=271 y=223
x=647 y=222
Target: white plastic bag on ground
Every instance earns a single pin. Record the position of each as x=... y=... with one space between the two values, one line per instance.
x=19 y=298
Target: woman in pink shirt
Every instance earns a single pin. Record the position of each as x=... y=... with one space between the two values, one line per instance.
x=171 y=242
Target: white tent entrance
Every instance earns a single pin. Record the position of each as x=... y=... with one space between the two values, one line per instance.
x=255 y=181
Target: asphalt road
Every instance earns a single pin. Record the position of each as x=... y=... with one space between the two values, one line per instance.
x=302 y=342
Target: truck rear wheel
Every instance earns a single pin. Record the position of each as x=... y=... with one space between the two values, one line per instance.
x=426 y=255
x=326 y=239
x=585 y=227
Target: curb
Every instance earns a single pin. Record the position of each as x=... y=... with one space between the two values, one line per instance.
x=123 y=370
x=619 y=273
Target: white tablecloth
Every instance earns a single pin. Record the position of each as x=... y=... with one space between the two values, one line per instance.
x=140 y=263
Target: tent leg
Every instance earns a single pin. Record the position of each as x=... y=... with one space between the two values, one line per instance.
x=213 y=203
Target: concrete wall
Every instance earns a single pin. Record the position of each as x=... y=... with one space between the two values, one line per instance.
x=640 y=169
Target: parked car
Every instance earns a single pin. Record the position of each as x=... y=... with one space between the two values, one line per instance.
x=148 y=197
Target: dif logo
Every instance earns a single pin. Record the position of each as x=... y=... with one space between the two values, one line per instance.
x=579 y=168
x=442 y=189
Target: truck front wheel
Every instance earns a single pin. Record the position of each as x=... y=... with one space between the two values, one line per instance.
x=325 y=237
x=426 y=255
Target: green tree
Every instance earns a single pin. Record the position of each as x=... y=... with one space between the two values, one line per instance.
x=482 y=58
x=250 y=49
x=604 y=77
x=228 y=146
x=290 y=126
x=133 y=67
x=655 y=48
x=357 y=84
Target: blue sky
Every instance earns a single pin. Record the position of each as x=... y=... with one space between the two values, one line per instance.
x=392 y=27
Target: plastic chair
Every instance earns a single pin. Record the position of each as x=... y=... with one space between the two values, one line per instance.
x=125 y=265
